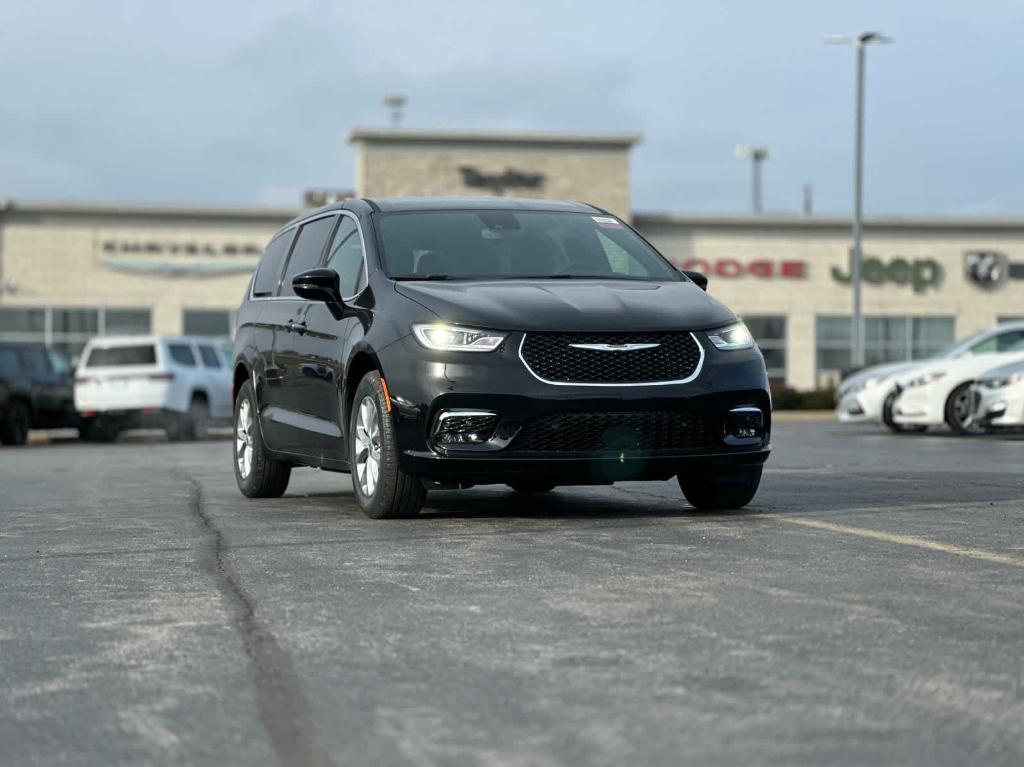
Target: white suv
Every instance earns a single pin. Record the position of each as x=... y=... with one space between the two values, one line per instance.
x=175 y=383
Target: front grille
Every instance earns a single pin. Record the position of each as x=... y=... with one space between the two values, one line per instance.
x=551 y=357
x=611 y=432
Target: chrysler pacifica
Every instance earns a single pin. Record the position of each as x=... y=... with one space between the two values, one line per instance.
x=435 y=343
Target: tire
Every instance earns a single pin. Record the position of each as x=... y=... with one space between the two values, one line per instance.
x=257 y=474
x=197 y=421
x=722 y=490
x=958 y=412
x=382 y=490
x=16 y=425
x=897 y=428
x=532 y=486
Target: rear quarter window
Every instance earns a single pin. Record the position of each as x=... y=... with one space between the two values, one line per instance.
x=182 y=354
x=209 y=356
x=113 y=356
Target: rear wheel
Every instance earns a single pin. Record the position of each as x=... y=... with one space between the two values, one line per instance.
x=381 y=488
x=532 y=486
x=722 y=489
x=198 y=419
x=258 y=474
x=16 y=425
x=960 y=411
x=888 y=420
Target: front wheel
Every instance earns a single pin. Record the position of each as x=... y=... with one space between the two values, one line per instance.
x=258 y=474
x=382 y=489
x=720 y=490
x=16 y=426
x=959 y=411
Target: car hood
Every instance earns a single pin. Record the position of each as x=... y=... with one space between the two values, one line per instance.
x=579 y=305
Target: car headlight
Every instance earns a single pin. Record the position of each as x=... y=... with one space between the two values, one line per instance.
x=449 y=338
x=924 y=380
x=999 y=383
x=735 y=336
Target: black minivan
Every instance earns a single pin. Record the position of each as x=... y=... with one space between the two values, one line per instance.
x=447 y=342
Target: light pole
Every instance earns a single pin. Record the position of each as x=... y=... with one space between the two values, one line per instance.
x=395 y=102
x=756 y=155
x=861 y=41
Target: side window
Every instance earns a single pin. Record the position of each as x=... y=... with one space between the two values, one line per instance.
x=346 y=257
x=210 y=358
x=1009 y=341
x=9 y=361
x=34 y=361
x=182 y=354
x=307 y=251
x=265 y=283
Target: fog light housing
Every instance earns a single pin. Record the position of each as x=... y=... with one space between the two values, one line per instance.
x=464 y=427
x=744 y=424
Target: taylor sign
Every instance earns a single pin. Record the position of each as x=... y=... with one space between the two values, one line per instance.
x=761 y=268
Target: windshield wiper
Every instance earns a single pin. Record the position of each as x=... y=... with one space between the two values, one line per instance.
x=422 y=277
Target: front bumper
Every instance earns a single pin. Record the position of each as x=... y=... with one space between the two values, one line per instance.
x=918 y=406
x=863 y=406
x=1002 y=407
x=425 y=384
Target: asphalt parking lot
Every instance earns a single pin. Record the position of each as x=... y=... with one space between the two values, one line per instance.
x=868 y=608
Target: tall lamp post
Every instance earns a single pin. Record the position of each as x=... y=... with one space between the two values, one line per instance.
x=756 y=155
x=860 y=41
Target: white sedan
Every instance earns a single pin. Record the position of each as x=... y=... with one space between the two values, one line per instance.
x=869 y=394
x=940 y=392
x=999 y=396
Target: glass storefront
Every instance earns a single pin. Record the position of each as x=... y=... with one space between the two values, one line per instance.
x=216 y=323
x=69 y=328
x=770 y=334
x=886 y=339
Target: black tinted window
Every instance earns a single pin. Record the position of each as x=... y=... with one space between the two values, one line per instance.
x=9 y=361
x=307 y=251
x=121 y=355
x=182 y=354
x=346 y=257
x=270 y=266
x=209 y=355
x=34 y=361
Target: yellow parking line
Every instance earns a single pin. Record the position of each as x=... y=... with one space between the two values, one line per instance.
x=904 y=540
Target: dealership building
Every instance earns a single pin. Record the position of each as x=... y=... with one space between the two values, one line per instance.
x=69 y=271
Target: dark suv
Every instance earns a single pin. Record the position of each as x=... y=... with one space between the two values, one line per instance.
x=36 y=391
x=434 y=342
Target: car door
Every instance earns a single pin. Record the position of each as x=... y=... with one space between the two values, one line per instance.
x=46 y=393
x=263 y=313
x=289 y=408
x=317 y=391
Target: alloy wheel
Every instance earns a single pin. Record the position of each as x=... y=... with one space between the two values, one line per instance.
x=367 y=452
x=243 y=439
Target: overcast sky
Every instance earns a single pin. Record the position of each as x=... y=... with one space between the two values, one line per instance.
x=249 y=103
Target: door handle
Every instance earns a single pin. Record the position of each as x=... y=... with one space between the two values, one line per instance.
x=297 y=327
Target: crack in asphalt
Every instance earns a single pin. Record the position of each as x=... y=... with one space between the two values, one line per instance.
x=285 y=712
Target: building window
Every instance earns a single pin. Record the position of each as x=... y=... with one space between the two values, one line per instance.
x=215 y=323
x=770 y=334
x=69 y=328
x=1005 y=320
x=886 y=339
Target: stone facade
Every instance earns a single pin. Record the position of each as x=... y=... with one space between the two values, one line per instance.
x=589 y=168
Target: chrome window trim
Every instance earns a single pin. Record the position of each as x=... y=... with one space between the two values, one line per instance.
x=362 y=243
x=691 y=377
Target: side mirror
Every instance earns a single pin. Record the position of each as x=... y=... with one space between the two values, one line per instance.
x=322 y=285
x=699 y=278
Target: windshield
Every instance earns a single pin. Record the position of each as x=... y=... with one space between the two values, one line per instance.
x=502 y=244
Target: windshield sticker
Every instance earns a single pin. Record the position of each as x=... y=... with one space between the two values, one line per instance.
x=607 y=222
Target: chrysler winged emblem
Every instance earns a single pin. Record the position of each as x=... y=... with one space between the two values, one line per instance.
x=614 y=347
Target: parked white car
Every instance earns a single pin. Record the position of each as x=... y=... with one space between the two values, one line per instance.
x=999 y=396
x=869 y=394
x=175 y=383
x=941 y=391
